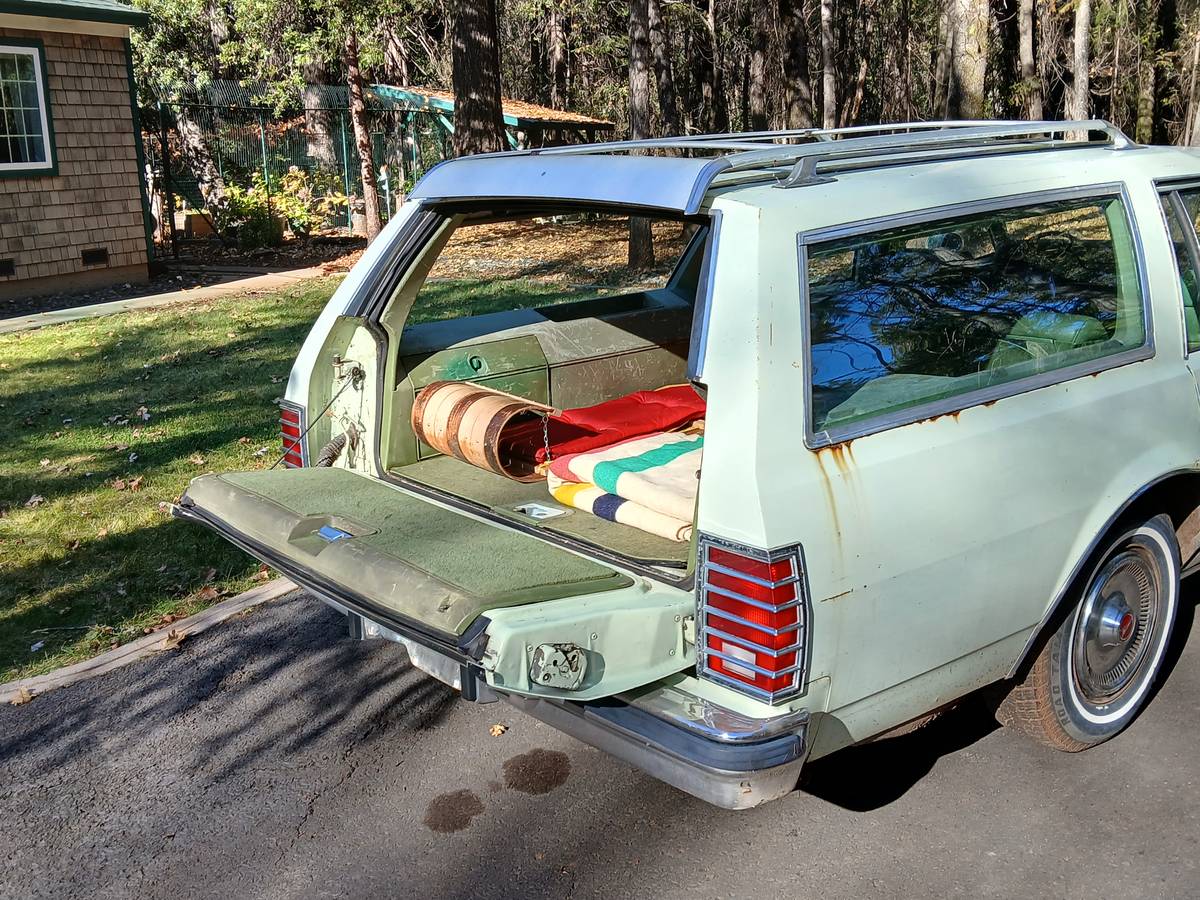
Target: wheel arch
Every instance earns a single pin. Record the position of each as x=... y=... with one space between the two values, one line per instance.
x=1175 y=493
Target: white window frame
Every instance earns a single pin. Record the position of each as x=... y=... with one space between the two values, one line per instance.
x=34 y=52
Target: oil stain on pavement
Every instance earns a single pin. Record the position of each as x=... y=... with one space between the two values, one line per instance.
x=537 y=772
x=453 y=811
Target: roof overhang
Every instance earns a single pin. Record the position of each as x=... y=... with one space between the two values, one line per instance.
x=100 y=11
x=673 y=184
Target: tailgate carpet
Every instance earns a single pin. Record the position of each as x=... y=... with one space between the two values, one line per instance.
x=485 y=566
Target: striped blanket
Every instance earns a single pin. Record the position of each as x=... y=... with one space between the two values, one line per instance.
x=648 y=482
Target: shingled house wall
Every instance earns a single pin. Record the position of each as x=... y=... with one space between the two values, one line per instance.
x=47 y=221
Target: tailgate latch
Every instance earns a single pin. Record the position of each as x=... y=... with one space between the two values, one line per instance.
x=558 y=666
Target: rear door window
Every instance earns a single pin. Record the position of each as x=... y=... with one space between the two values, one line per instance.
x=905 y=317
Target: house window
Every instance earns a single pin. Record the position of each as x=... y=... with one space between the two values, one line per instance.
x=25 y=136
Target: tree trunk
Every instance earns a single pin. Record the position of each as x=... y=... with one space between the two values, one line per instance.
x=200 y=163
x=756 y=93
x=797 y=89
x=828 y=69
x=664 y=76
x=395 y=56
x=318 y=120
x=1080 y=98
x=718 y=111
x=478 y=117
x=362 y=137
x=1031 y=85
x=1147 y=88
x=972 y=35
x=943 y=70
x=853 y=106
x=556 y=51
x=1191 y=129
x=641 y=246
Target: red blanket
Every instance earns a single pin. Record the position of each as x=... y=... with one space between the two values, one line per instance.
x=633 y=415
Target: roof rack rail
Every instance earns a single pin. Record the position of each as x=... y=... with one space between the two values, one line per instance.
x=923 y=133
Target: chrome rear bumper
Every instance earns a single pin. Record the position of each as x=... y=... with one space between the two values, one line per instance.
x=730 y=773
x=713 y=753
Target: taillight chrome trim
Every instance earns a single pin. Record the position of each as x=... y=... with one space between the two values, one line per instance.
x=745 y=664
x=801 y=646
x=750 y=645
x=753 y=579
x=750 y=601
x=292 y=446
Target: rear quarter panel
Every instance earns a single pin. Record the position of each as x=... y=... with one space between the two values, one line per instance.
x=932 y=549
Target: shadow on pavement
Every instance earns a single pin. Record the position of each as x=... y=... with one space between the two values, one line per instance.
x=252 y=686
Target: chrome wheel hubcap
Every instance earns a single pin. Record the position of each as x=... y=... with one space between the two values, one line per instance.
x=1113 y=630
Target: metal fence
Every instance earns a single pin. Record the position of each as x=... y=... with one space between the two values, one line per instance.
x=254 y=144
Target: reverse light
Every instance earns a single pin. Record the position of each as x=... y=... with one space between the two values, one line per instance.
x=291 y=429
x=753 y=618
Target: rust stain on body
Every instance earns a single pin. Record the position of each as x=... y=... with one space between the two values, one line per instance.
x=838 y=596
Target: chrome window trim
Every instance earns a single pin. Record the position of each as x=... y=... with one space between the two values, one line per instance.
x=698 y=340
x=1172 y=195
x=816 y=439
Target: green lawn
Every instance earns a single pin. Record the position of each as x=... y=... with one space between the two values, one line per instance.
x=106 y=422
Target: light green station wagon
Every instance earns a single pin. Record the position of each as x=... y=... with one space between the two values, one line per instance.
x=951 y=438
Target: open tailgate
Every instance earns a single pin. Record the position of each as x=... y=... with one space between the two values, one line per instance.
x=397 y=557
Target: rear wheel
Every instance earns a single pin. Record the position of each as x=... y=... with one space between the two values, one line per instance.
x=1096 y=671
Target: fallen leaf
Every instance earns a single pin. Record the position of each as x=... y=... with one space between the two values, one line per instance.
x=497 y=729
x=34 y=648
x=196 y=459
x=161 y=568
x=208 y=593
x=119 y=484
x=243 y=440
x=103 y=532
x=136 y=484
x=44 y=463
x=35 y=501
x=133 y=457
x=24 y=695
x=142 y=413
x=74 y=545
x=174 y=638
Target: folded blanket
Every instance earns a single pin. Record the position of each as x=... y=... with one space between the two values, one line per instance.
x=657 y=474
x=602 y=425
x=589 y=498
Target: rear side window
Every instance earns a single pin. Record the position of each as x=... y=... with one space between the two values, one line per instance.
x=1185 y=258
x=915 y=315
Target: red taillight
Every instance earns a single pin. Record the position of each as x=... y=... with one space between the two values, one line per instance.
x=752 y=615
x=291 y=427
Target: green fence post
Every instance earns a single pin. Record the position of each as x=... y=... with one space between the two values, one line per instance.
x=346 y=173
x=262 y=136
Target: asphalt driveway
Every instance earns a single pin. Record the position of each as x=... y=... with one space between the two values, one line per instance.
x=274 y=757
